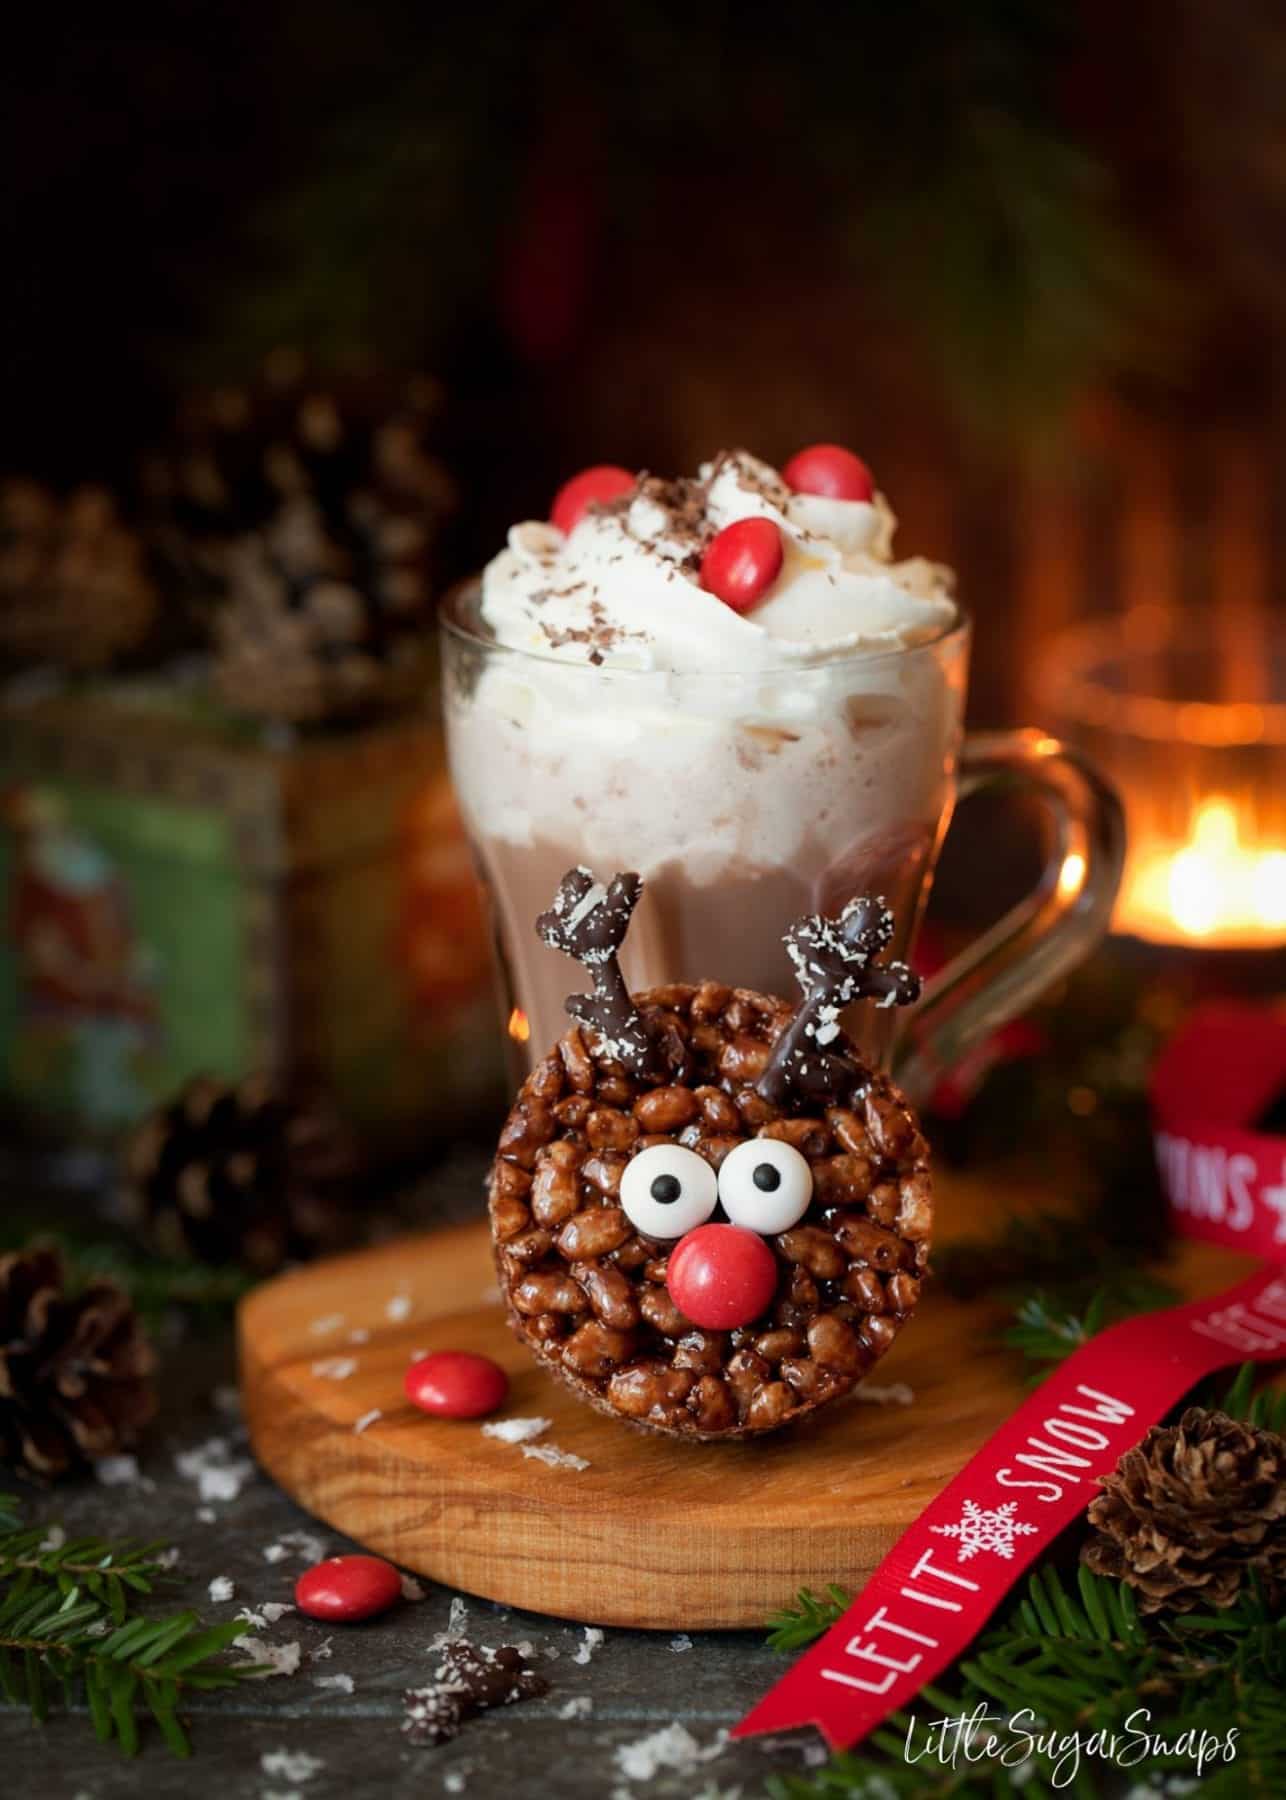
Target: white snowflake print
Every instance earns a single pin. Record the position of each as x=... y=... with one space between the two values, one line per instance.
x=980 y=1529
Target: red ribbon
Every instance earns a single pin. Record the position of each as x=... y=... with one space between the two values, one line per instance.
x=1226 y=1183
x=945 y=1576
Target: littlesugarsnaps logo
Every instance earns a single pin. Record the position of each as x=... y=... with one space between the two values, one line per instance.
x=960 y=1740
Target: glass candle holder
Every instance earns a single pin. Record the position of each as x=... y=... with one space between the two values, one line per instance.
x=1185 y=710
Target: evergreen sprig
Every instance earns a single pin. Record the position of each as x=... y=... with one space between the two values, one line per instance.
x=107 y=1573
x=1047 y=1329
x=794 y=1626
x=1081 y=1658
x=1078 y=1657
x=67 y=1630
x=155 y=1284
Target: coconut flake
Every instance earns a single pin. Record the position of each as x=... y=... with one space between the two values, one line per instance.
x=672 y=1747
x=116 y=1471
x=281 y=1659
x=335 y=1368
x=593 y=1642
x=291 y=1765
x=360 y=1336
x=398 y=1308
x=340 y=1684
x=680 y=1643
x=331 y=1322
x=412 y=1590
x=454 y=1630
x=367 y=1420
x=515 y=1431
x=553 y=1457
x=222 y=1588
x=217 y=1472
x=304 y=1544
x=579 y=1707
x=893 y=1393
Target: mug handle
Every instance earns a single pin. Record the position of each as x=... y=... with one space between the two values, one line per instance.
x=1041 y=938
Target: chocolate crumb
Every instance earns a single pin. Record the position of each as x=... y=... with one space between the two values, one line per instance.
x=469 y=1680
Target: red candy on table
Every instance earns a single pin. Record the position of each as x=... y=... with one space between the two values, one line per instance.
x=721 y=1276
x=573 y=499
x=456 y=1384
x=346 y=1588
x=742 y=562
x=829 y=470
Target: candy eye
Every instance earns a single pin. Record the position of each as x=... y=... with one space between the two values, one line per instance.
x=667 y=1190
x=765 y=1185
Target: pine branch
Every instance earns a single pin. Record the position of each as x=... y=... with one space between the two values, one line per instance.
x=795 y=1626
x=66 y=1629
x=1046 y=1331
x=108 y=1573
x=154 y=1283
x=1083 y=1660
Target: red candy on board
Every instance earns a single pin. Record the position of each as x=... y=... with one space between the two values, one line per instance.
x=721 y=1276
x=456 y=1384
x=830 y=470
x=603 y=482
x=742 y=562
x=345 y=1588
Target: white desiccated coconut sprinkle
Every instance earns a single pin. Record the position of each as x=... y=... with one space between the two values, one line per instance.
x=672 y=1747
x=367 y=1420
x=335 y=1368
x=280 y=1659
x=398 y=1308
x=553 y=1457
x=579 y=1707
x=223 y=1587
x=291 y=1765
x=680 y=1643
x=116 y=1471
x=515 y=1431
x=593 y=1641
x=893 y=1393
x=341 y=1684
x=217 y=1472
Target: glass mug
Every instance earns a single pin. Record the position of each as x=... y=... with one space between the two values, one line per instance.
x=746 y=799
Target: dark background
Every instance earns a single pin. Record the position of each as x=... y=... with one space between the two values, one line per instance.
x=941 y=233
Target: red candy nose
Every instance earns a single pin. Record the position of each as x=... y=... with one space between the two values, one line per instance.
x=721 y=1276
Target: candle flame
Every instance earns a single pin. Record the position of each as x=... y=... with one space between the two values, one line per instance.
x=1071 y=877
x=519 y=1026
x=1217 y=887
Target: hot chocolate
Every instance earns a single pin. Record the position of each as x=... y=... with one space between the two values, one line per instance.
x=774 y=722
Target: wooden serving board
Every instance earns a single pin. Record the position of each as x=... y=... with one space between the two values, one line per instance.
x=655 y=1532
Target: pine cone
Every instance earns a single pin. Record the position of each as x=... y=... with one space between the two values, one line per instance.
x=74 y=585
x=237 y=1173
x=1189 y=1510
x=314 y=631
x=74 y=1372
x=289 y=485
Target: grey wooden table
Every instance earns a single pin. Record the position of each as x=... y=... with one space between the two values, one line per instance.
x=639 y=1713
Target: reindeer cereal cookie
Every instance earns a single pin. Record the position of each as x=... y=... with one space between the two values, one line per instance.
x=709 y=1216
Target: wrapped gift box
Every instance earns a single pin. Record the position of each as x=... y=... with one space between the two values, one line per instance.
x=182 y=894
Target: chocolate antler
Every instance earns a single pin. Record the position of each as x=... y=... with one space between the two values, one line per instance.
x=834 y=964
x=589 y=921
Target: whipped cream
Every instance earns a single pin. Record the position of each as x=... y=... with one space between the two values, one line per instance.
x=622 y=589
x=751 y=767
